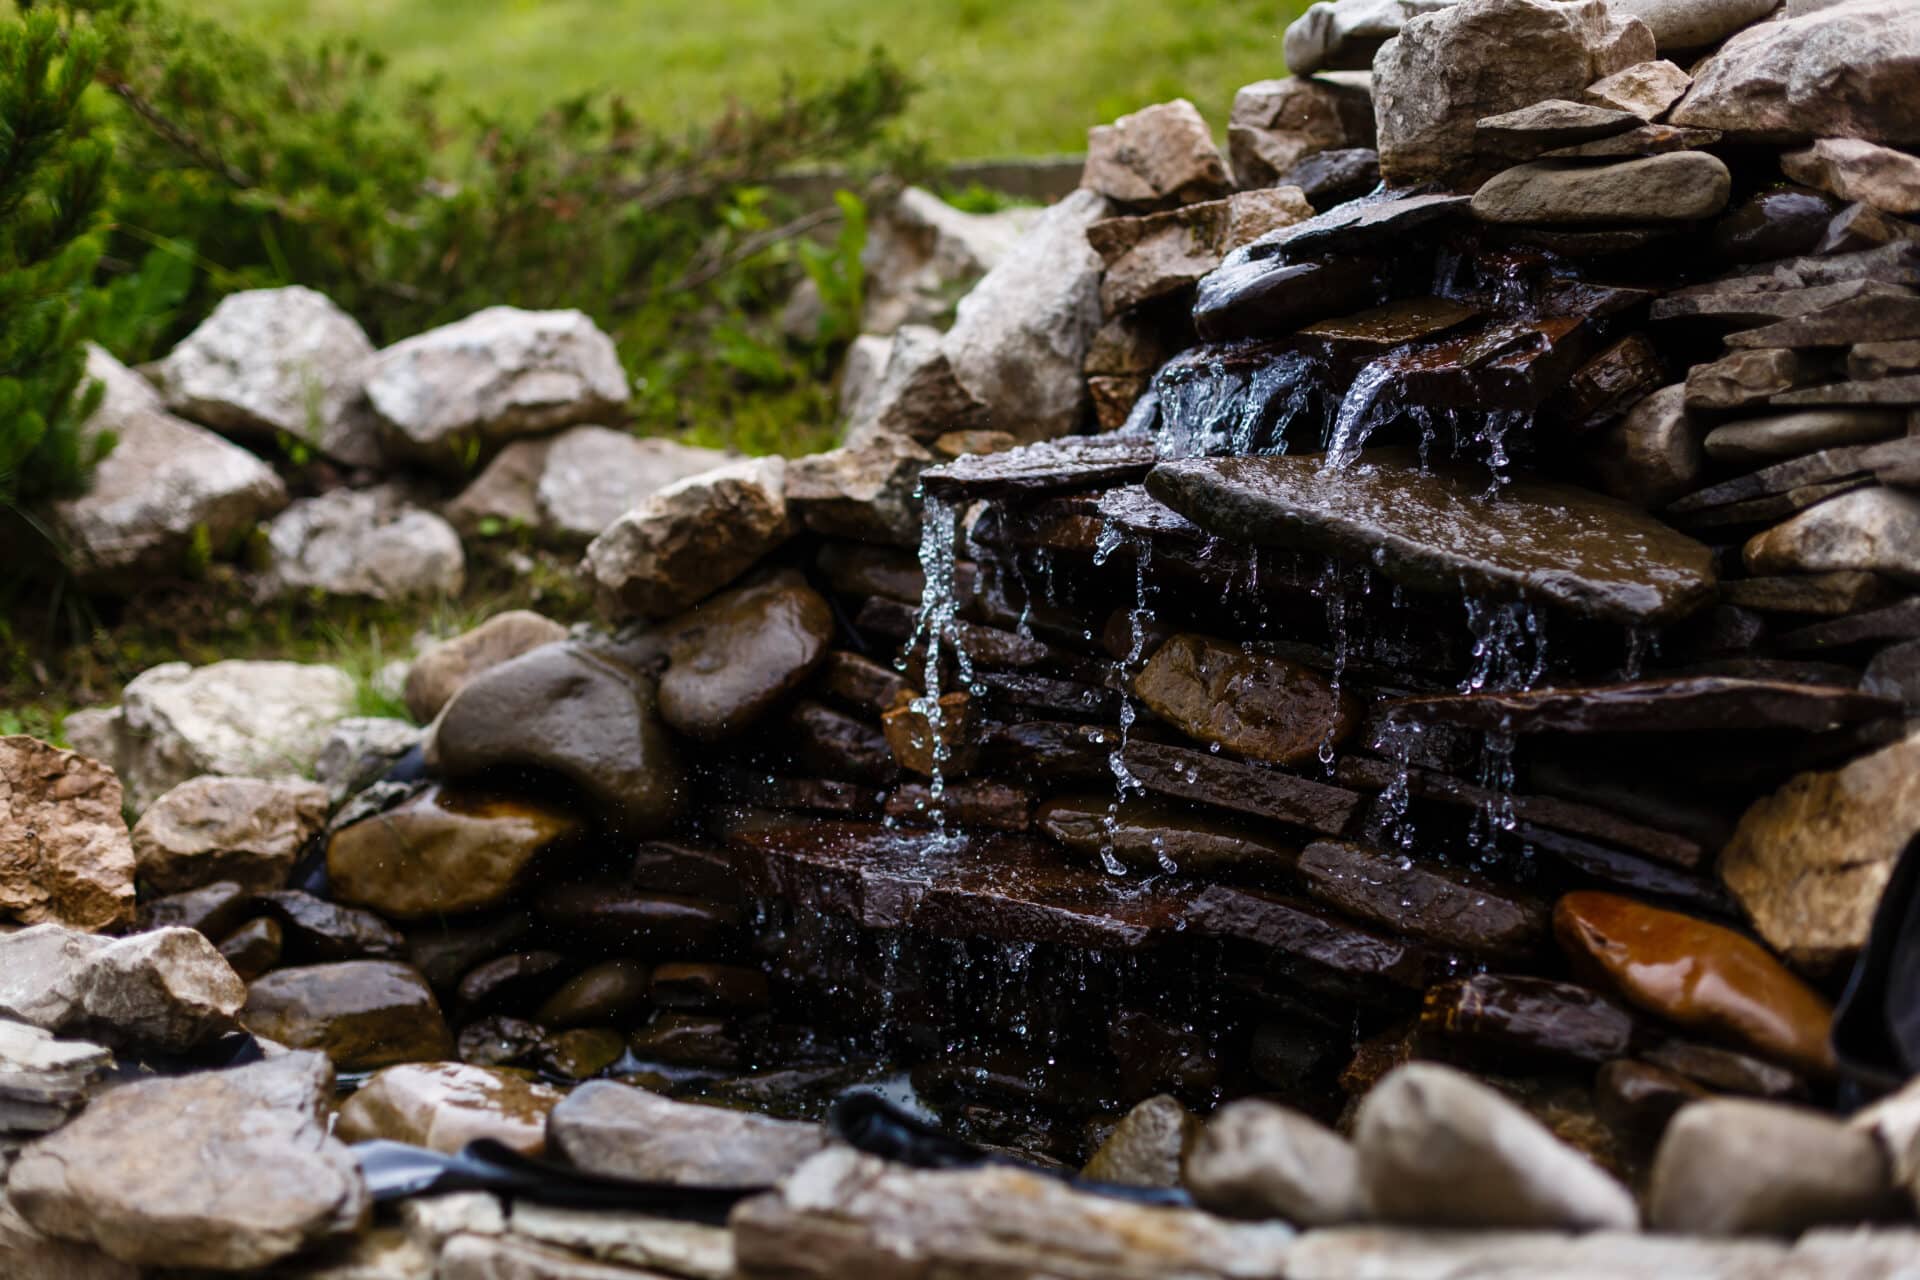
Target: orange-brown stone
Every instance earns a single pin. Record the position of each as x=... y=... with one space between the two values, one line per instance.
x=1696 y=975
x=1260 y=707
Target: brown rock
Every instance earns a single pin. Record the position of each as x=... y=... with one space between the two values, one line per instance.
x=1153 y=837
x=1646 y=89
x=445 y=1105
x=216 y=910
x=1696 y=975
x=248 y=830
x=1147 y=1147
x=733 y=658
x=703 y=986
x=1261 y=707
x=1423 y=899
x=1275 y=124
x=1854 y=170
x=318 y=930
x=253 y=948
x=1868 y=530
x=1809 y=862
x=167 y=989
x=1555 y=122
x=437 y=674
x=582 y=1053
x=1758 y=441
x=630 y=1133
x=1746 y=377
x=607 y=992
x=64 y=853
x=1152 y=256
x=1157 y=157
x=1676 y=186
x=1653 y=455
x=864 y=491
x=1496 y=1017
x=360 y=1013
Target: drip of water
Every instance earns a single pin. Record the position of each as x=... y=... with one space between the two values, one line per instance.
x=1333 y=589
x=1369 y=401
x=1509 y=655
x=1641 y=641
x=937 y=628
x=1124 y=782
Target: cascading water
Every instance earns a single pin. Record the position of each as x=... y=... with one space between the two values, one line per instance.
x=1509 y=654
x=1124 y=783
x=937 y=631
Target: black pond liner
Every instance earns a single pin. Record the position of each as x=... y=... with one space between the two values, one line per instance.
x=1876 y=1029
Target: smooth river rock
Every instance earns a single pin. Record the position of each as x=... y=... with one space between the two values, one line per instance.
x=1146 y=1148
x=437 y=674
x=734 y=657
x=64 y=853
x=360 y=1013
x=1732 y=1167
x=1255 y=1159
x=1568 y=546
x=630 y=1133
x=1264 y=708
x=1871 y=530
x=1680 y=186
x=247 y=830
x=1879 y=176
x=445 y=1105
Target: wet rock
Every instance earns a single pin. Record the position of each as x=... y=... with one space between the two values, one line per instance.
x=437 y=674
x=1646 y=89
x=689 y=1040
x=1310 y=946
x=1694 y=24
x=1854 y=170
x=833 y=744
x=1346 y=34
x=1264 y=708
x=1249 y=298
x=845 y=1214
x=247 y=830
x=215 y=910
x=1424 y=900
x=1590 y=555
x=708 y=986
x=365 y=542
x=495 y=375
x=1048 y=466
x=1504 y=1015
x=570 y=710
x=44 y=1080
x=1152 y=256
x=1151 y=837
x=607 y=992
x=1330 y=178
x=361 y=1013
x=1276 y=124
x=1653 y=454
x=1437 y=1148
x=582 y=1053
x=497 y=1041
x=1241 y=788
x=445 y=1105
x=318 y=930
x=1758 y=441
x=167 y=491
x=359 y=751
x=1146 y=1148
x=867 y=492
x=64 y=853
x=674 y=1247
x=1822 y=593
x=1746 y=377
x=1257 y=1160
x=683 y=542
x=629 y=1133
x=1156 y=157
x=1679 y=186
x=442 y=852
x=1465 y=62
x=1639 y=1098
x=1022 y=334
x=277 y=362
x=1673 y=703
x=233 y=1169
x=1554 y=122
x=510 y=981
x=1725 y=1070
x=1775 y=222
x=1737 y=1168
x=733 y=658
x=1834 y=73
x=1696 y=975
x=1808 y=863
x=1868 y=530
x=167 y=989
x=253 y=948
x=971 y=803
x=618 y=918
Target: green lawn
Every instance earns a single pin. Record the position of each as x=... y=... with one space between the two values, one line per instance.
x=1000 y=77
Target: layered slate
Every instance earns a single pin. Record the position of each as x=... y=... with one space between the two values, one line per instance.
x=1443 y=531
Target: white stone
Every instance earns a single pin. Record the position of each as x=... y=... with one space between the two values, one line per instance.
x=922 y=254
x=364 y=542
x=595 y=475
x=1693 y=24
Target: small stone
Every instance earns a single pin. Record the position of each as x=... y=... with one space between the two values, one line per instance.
x=1679 y=186
x=1746 y=377
x=1694 y=24
x=1157 y=157
x=360 y=1013
x=683 y=542
x=629 y=1133
x=1258 y=1160
x=1758 y=441
x=1646 y=89
x=621 y=919
x=1647 y=140
x=167 y=989
x=705 y=1041
x=1437 y=1148
x=1870 y=530
x=582 y=1053
x=1640 y=1098
x=1276 y=124
x=733 y=658
x=1831 y=594
x=1263 y=708
x=1854 y=170
x=1652 y=455
x=445 y=1105
x=1496 y=1016
x=1552 y=123
x=868 y=492
x=1147 y=1147
x=64 y=853
x=1150 y=836
x=320 y=930
x=253 y=948
x=1739 y=1168
x=232 y=1170
x=1696 y=975
x=496 y=1041
x=365 y=542
x=247 y=830
x=510 y=981
x=437 y=674
x=607 y=992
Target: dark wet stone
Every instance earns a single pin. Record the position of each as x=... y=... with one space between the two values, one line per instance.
x=514 y=981
x=1640 y=1098
x=499 y=1041
x=1861 y=226
x=1725 y=1070
x=971 y=803
x=1392 y=324
x=1502 y=1015
x=1611 y=383
x=836 y=745
x=1653 y=454
x=1750 y=300
x=1554 y=122
x=582 y=1053
x=1242 y=788
x=1508 y=364
x=1328 y=178
x=1049 y=753
x=605 y=992
x=1438 y=532
x=631 y=922
x=1424 y=900
x=442 y=953
x=1895 y=622
x=1827 y=466
x=1050 y=466
x=1675 y=704
x=757 y=790
x=1778 y=222
x=1152 y=837
x=253 y=948
x=1261 y=707
x=1895 y=673
x=1045 y=695
x=734 y=657
x=688 y=1040
x=1621 y=869
x=1768 y=511
x=1008 y=1075
x=215 y=910
x=1307 y=944
x=922 y=746
x=1156 y=1053
x=689 y=870
x=1696 y=975
x=856 y=569
x=860 y=682
x=1358 y=226
x=1881 y=317
x=1647 y=140
x=317 y=930
x=987 y=646
x=709 y=987
x=1599 y=242
x=362 y=1013
x=1254 y=299
x=586 y=717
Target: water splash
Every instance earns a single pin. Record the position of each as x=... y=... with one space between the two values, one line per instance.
x=1509 y=655
x=1370 y=400
x=937 y=631
x=1124 y=783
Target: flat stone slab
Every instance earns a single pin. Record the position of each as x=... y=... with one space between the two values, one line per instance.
x=1719 y=703
x=1826 y=466
x=1243 y=788
x=1050 y=466
x=1871 y=317
x=1439 y=531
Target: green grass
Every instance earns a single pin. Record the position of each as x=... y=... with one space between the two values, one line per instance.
x=1001 y=77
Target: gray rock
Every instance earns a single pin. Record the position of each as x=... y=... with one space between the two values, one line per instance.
x=1854 y=170
x=862 y=370
x=1554 y=122
x=1747 y=377
x=442 y=670
x=1275 y=124
x=44 y=1080
x=1870 y=360
x=1870 y=316
x=1653 y=454
x=248 y=830
x=1437 y=1148
x=686 y=541
x=1894 y=673
x=365 y=542
x=692 y=1249
x=866 y=492
x=1647 y=140
x=1020 y=337
x=1680 y=186
x=630 y=1133
x=1758 y=441
x=167 y=492
x=470 y=386
x=272 y=362
x=922 y=254
x=594 y=475
x=1839 y=72
x=1155 y=158
x=1733 y=1167
x=166 y=989
x=1694 y=24
x=1146 y=1148
x=1875 y=530
x=358 y=750
x=1258 y=1160
x=1161 y=253
x=232 y=1170
x=918 y=396
x=1460 y=64
x=431 y=1220
x=1646 y=89
x=1346 y=34
x=64 y=853
x=241 y=718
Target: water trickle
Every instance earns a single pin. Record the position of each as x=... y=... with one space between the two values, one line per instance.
x=1124 y=782
x=1234 y=402
x=936 y=630
x=1370 y=400
x=1509 y=655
